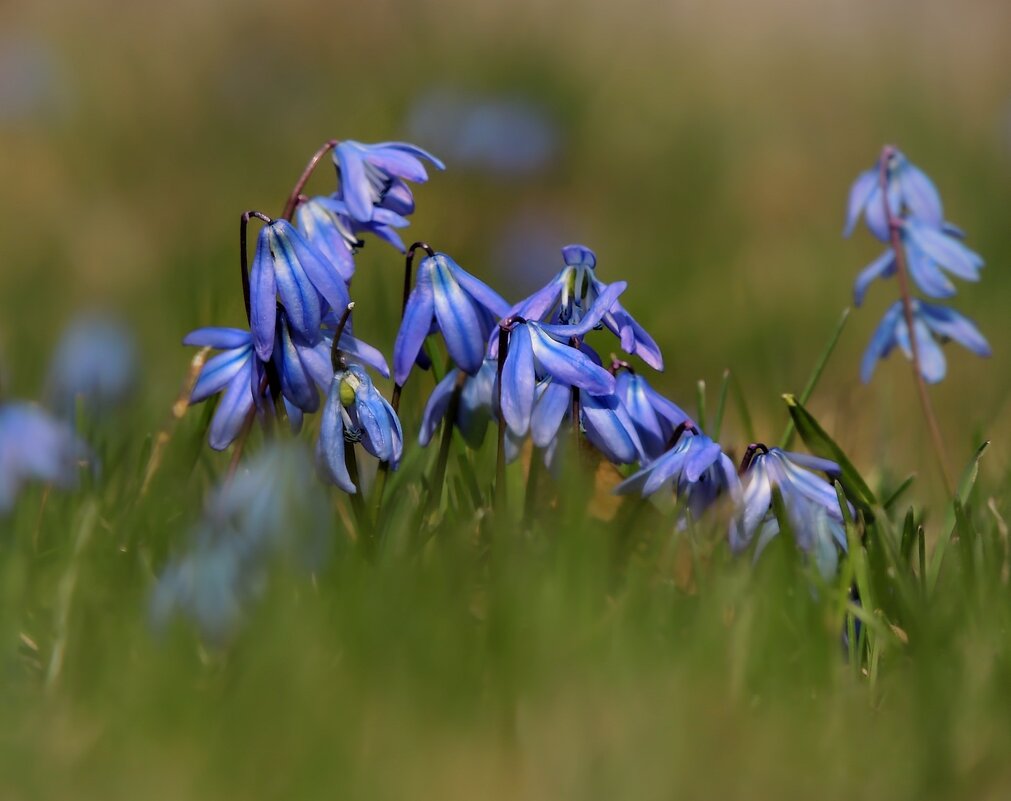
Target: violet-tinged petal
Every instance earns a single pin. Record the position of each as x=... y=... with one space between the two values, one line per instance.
x=933 y=366
x=218 y=337
x=414 y=150
x=230 y=416
x=920 y=194
x=298 y=295
x=360 y=351
x=458 y=320
x=436 y=407
x=518 y=382
x=945 y=250
x=549 y=412
x=330 y=446
x=882 y=267
x=356 y=190
x=860 y=192
x=263 y=297
x=813 y=462
x=882 y=341
x=956 y=327
x=418 y=317
x=569 y=365
x=296 y=383
x=929 y=277
x=218 y=372
x=601 y=306
x=609 y=428
x=479 y=290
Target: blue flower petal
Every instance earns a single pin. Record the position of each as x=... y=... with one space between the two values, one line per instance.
x=458 y=321
x=949 y=323
x=436 y=407
x=882 y=267
x=920 y=194
x=219 y=338
x=218 y=372
x=235 y=404
x=518 y=382
x=569 y=365
x=298 y=295
x=330 y=446
x=882 y=341
x=860 y=192
x=549 y=412
x=418 y=316
x=263 y=297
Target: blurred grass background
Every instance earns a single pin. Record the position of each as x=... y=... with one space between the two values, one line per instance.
x=704 y=151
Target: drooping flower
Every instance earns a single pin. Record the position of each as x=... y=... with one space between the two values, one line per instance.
x=695 y=468
x=287 y=266
x=811 y=505
x=541 y=350
x=355 y=412
x=329 y=227
x=910 y=193
x=476 y=407
x=570 y=295
x=35 y=447
x=928 y=321
x=271 y=508
x=654 y=416
x=374 y=176
x=96 y=362
x=448 y=299
x=929 y=253
x=231 y=372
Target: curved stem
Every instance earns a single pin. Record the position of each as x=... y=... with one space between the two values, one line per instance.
x=500 y=487
x=902 y=274
x=408 y=269
x=303 y=179
x=336 y=356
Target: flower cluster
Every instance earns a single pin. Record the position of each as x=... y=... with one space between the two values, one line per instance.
x=902 y=208
x=298 y=302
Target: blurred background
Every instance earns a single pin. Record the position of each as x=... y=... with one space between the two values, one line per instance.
x=704 y=150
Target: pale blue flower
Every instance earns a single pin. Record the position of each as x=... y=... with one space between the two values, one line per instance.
x=655 y=418
x=35 y=447
x=96 y=362
x=929 y=321
x=810 y=502
x=475 y=409
x=910 y=194
x=231 y=373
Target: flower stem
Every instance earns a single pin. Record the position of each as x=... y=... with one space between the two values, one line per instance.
x=448 y=424
x=533 y=478
x=408 y=266
x=902 y=274
x=303 y=179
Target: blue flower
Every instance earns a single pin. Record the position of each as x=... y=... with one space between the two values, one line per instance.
x=573 y=291
x=330 y=229
x=286 y=265
x=35 y=447
x=96 y=361
x=538 y=351
x=270 y=508
x=909 y=190
x=355 y=412
x=928 y=320
x=655 y=418
x=695 y=467
x=448 y=299
x=929 y=252
x=231 y=372
x=475 y=410
x=811 y=505
x=374 y=175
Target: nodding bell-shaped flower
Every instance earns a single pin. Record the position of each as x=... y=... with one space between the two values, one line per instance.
x=928 y=321
x=329 y=227
x=910 y=193
x=571 y=294
x=448 y=299
x=373 y=176
x=231 y=373
x=538 y=351
x=655 y=418
x=355 y=412
x=695 y=468
x=474 y=411
x=287 y=266
x=35 y=447
x=811 y=505
x=930 y=252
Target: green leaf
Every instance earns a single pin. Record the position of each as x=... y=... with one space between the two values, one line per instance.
x=819 y=368
x=965 y=485
x=898 y=492
x=821 y=444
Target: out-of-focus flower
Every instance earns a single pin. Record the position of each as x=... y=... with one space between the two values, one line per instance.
x=448 y=299
x=928 y=321
x=374 y=176
x=355 y=412
x=231 y=372
x=96 y=361
x=929 y=252
x=271 y=508
x=35 y=447
x=475 y=410
x=910 y=193
x=506 y=135
x=654 y=417
x=540 y=350
x=572 y=292
x=811 y=505
x=286 y=265
x=695 y=467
